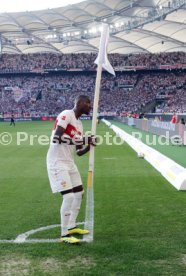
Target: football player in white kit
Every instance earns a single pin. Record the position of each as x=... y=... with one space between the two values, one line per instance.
x=63 y=174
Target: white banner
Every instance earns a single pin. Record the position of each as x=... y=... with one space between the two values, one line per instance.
x=17 y=93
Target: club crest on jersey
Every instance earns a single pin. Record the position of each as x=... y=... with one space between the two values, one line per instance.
x=64 y=184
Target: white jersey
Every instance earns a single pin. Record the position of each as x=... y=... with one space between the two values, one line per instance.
x=73 y=128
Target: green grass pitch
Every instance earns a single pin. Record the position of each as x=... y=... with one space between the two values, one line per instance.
x=140 y=219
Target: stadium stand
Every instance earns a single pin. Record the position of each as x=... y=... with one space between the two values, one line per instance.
x=48 y=93
x=38 y=62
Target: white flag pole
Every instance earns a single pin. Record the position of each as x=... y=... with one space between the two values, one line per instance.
x=89 y=217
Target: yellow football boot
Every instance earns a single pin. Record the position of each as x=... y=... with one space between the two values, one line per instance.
x=78 y=231
x=71 y=240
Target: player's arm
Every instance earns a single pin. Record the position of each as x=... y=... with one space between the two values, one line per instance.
x=61 y=124
x=59 y=138
x=80 y=150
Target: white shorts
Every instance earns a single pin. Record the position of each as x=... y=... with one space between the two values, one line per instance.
x=63 y=176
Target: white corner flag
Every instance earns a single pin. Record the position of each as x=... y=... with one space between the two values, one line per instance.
x=102 y=55
x=101 y=61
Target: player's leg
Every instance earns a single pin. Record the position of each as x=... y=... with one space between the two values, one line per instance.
x=78 y=195
x=68 y=197
x=64 y=186
x=60 y=182
x=65 y=211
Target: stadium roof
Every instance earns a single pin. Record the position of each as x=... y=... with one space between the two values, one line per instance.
x=137 y=26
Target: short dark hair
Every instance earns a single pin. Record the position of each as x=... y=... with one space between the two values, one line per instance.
x=81 y=98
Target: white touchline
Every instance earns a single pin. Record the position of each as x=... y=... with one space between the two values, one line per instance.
x=6 y=241
x=23 y=238
x=109 y=158
x=89 y=216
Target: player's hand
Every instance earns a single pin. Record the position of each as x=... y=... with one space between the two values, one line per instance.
x=92 y=140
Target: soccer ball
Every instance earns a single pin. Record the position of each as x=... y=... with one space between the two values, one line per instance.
x=141 y=155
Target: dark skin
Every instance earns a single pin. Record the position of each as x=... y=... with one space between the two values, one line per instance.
x=81 y=107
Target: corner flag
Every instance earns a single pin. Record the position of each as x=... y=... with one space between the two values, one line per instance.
x=101 y=61
x=102 y=55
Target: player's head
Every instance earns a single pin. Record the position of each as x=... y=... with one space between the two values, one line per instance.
x=83 y=104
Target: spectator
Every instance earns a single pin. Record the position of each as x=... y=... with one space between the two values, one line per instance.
x=182 y=121
x=174 y=119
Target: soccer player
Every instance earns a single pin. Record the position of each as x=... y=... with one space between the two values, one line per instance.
x=63 y=174
x=12 y=121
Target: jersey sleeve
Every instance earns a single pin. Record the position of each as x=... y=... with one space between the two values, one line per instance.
x=64 y=119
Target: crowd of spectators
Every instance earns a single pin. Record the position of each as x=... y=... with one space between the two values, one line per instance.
x=49 y=94
x=51 y=61
x=176 y=102
x=173 y=90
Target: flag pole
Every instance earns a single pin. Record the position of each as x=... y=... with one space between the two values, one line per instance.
x=94 y=116
x=89 y=216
